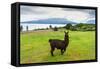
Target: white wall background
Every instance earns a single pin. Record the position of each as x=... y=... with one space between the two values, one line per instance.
x=5 y=36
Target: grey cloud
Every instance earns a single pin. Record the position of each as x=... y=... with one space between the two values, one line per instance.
x=30 y=10
x=91 y=12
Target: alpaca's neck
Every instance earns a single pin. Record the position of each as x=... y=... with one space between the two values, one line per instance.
x=66 y=40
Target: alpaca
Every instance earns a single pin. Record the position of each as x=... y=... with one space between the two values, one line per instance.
x=59 y=44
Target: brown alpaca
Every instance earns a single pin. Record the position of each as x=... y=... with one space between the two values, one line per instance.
x=59 y=44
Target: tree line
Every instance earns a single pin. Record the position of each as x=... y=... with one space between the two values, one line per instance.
x=80 y=27
x=69 y=26
x=76 y=27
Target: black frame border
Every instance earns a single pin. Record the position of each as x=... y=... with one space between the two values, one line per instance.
x=17 y=15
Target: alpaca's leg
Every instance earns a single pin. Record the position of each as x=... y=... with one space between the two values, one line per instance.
x=62 y=51
x=52 y=51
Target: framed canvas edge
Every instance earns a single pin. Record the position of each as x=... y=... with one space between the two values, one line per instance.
x=17 y=63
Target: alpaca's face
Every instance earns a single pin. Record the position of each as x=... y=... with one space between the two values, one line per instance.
x=66 y=34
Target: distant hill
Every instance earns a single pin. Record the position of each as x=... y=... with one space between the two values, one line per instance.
x=51 y=21
x=91 y=21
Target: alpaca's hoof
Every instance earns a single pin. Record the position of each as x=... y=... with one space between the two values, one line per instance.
x=52 y=55
x=62 y=53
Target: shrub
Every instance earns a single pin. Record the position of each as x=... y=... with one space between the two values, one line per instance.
x=55 y=29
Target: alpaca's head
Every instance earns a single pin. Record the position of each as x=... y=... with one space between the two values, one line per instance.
x=66 y=34
x=66 y=37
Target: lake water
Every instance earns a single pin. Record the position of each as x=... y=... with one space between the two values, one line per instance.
x=39 y=26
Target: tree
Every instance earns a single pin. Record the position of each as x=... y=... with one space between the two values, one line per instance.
x=27 y=28
x=73 y=28
x=55 y=29
x=79 y=25
x=85 y=27
x=47 y=28
x=21 y=28
x=68 y=26
x=50 y=26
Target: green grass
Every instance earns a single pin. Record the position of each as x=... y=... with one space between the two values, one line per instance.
x=35 y=47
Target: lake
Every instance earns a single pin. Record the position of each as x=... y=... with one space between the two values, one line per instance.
x=39 y=26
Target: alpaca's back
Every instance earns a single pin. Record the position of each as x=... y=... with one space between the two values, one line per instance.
x=56 y=43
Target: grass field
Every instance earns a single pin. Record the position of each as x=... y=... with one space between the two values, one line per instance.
x=35 y=47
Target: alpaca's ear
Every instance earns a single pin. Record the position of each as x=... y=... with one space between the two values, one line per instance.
x=66 y=32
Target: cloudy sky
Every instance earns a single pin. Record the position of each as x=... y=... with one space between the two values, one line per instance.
x=29 y=13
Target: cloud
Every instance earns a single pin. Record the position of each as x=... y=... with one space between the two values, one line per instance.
x=35 y=13
x=91 y=12
x=30 y=10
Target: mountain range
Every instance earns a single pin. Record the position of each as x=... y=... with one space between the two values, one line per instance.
x=91 y=21
x=55 y=21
